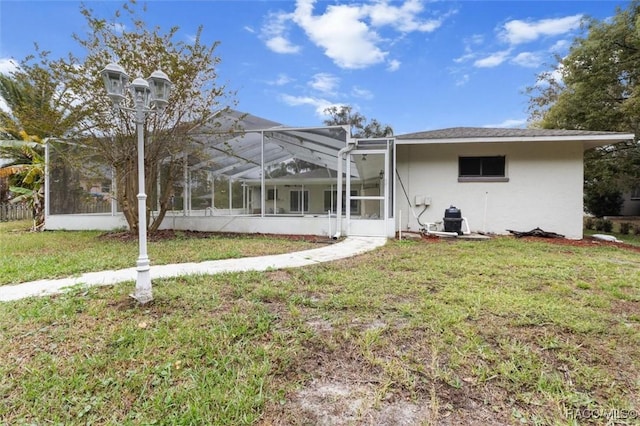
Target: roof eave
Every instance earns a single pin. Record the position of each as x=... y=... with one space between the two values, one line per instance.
x=589 y=141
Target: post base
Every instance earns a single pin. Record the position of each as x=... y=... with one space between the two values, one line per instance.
x=142 y=299
x=144 y=292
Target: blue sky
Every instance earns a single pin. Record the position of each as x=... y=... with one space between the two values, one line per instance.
x=415 y=65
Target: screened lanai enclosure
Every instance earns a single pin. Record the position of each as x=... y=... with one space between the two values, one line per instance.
x=249 y=175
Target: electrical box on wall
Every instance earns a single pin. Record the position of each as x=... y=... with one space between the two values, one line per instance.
x=422 y=200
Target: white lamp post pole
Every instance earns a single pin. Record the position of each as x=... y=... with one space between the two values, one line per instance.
x=143 y=293
x=149 y=95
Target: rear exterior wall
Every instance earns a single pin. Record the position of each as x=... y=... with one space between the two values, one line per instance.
x=544 y=187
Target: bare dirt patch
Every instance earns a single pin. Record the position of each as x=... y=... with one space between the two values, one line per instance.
x=345 y=403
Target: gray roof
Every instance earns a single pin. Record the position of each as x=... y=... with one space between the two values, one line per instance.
x=589 y=139
x=487 y=132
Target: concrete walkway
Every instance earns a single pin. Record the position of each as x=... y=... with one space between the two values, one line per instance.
x=351 y=246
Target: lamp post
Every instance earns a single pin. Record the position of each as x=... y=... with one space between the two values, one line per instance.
x=150 y=95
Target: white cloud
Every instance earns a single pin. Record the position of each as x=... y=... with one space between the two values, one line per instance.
x=558 y=74
x=118 y=28
x=319 y=104
x=7 y=65
x=280 y=44
x=518 y=31
x=466 y=57
x=509 y=123
x=393 y=65
x=325 y=83
x=555 y=75
x=348 y=32
x=340 y=31
x=528 y=59
x=249 y=29
x=403 y=18
x=359 y=92
x=469 y=44
x=492 y=60
x=275 y=33
x=282 y=80
x=464 y=79
x=475 y=39
x=560 y=45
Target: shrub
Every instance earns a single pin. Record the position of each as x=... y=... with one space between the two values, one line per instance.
x=625 y=228
x=589 y=223
x=604 y=225
x=603 y=202
x=636 y=230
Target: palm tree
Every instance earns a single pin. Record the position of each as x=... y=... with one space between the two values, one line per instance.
x=25 y=171
x=37 y=110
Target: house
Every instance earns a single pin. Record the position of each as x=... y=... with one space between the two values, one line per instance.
x=270 y=178
x=631 y=203
x=500 y=179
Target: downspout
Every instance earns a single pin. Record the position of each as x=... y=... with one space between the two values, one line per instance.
x=351 y=144
x=185 y=179
x=263 y=188
x=47 y=183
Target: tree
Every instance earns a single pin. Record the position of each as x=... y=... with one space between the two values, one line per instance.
x=344 y=114
x=290 y=167
x=168 y=144
x=27 y=175
x=603 y=201
x=597 y=87
x=38 y=109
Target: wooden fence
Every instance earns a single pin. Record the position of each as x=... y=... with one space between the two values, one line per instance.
x=10 y=212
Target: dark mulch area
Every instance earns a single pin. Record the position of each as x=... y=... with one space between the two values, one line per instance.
x=170 y=234
x=585 y=242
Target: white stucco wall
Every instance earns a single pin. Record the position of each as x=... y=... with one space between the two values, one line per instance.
x=85 y=222
x=319 y=225
x=544 y=188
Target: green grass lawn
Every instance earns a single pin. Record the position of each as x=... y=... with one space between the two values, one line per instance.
x=28 y=256
x=504 y=331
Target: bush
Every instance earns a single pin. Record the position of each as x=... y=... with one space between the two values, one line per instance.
x=636 y=230
x=625 y=228
x=604 y=225
x=603 y=202
x=589 y=223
